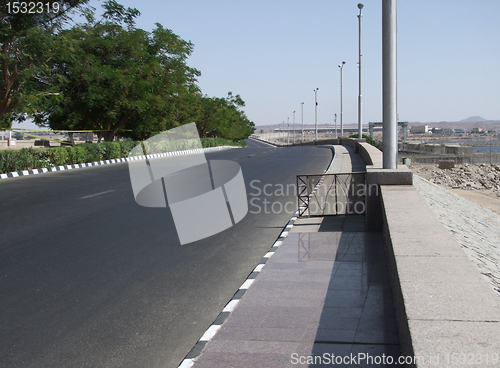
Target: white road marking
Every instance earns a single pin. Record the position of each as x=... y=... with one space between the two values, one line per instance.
x=97 y=194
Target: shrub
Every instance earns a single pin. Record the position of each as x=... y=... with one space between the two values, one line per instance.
x=58 y=156
x=127 y=146
x=111 y=150
x=214 y=142
x=95 y=152
x=30 y=158
x=76 y=155
x=24 y=159
x=369 y=139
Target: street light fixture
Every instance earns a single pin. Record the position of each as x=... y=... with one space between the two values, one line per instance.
x=302 y=108
x=360 y=129
x=389 y=84
x=341 y=66
x=316 y=115
x=288 y=130
x=335 y=120
x=283 y=133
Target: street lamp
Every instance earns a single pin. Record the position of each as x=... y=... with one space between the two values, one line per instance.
x=283 y=133
x=360 y=130
x=302 y=108
x=341 y=66
x=335 y=120
x=389 y=84
x=288 y=130
x=294 y=127
x=316 y=115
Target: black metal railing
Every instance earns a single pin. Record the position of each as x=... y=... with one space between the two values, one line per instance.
x=332 y=194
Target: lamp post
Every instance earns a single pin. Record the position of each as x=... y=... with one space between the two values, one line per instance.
x=302 y=108
x=288 y=130
x=316 y=115
x=360 y=130
x=294 y=127
x=283 y=133
x=341 y=66
x=389 y=84
x=335 y=120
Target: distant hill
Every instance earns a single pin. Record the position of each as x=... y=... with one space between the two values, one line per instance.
x=472 y=119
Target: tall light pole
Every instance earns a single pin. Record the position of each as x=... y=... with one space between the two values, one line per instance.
x=341 y=66
x=283 y=132
x=389 y=84
x=288 y=130
x=294 y=127
x=360 y=112
x=316 y=115
x=335 y=120
x=302 y=108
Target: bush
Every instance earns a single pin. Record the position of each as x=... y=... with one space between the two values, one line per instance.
x=76 y=155
x=369 y=139
x=215 y=142
x=111 y=150
x=30 y=158
x=58 y=156
x=95 y=152
x=24 y=159
x=127 y=146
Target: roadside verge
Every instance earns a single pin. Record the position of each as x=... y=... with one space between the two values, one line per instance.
x=107 y=162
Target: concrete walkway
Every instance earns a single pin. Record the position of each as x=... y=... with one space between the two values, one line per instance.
x=324 y=297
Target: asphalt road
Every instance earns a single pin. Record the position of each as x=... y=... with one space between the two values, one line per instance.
x=88 y=278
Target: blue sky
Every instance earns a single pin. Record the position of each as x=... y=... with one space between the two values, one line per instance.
x=275 y=52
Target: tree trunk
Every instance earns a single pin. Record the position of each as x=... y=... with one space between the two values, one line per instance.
x=71 y=138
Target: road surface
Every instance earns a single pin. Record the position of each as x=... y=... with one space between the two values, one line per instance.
x=91 y=279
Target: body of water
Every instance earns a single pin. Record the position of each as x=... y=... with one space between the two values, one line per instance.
x=493 y=149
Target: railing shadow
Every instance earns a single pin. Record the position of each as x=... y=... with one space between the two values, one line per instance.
x=357 y=319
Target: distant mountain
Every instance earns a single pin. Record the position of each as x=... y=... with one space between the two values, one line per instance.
x=472 y=119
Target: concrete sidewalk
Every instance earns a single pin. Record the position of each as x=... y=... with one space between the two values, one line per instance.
x=322 y=299
x=324 y=292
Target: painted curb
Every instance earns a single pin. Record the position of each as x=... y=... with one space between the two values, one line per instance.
x=196 y=351
x=107 y=162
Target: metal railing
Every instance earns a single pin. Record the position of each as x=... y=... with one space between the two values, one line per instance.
x=331 y=194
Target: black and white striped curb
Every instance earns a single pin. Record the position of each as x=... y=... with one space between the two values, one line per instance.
x=112 y=161
x=195 y=352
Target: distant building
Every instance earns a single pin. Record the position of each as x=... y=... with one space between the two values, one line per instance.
x=419 y=129
x=459 y=130
x=477 y=130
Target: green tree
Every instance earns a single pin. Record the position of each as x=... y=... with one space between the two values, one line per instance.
x=113 y=76
x=26 y=41
x=223 y=117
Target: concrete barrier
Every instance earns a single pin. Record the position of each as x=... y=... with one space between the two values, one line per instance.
x=443 y=306
x=371 y=155
x=377 y=176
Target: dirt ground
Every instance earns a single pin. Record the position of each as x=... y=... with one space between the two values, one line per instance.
x=484 y=197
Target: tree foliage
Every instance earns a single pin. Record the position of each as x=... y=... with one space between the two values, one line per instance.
x=223 y=117
x=107 y=75
x=26 y=40
x=112 y=75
